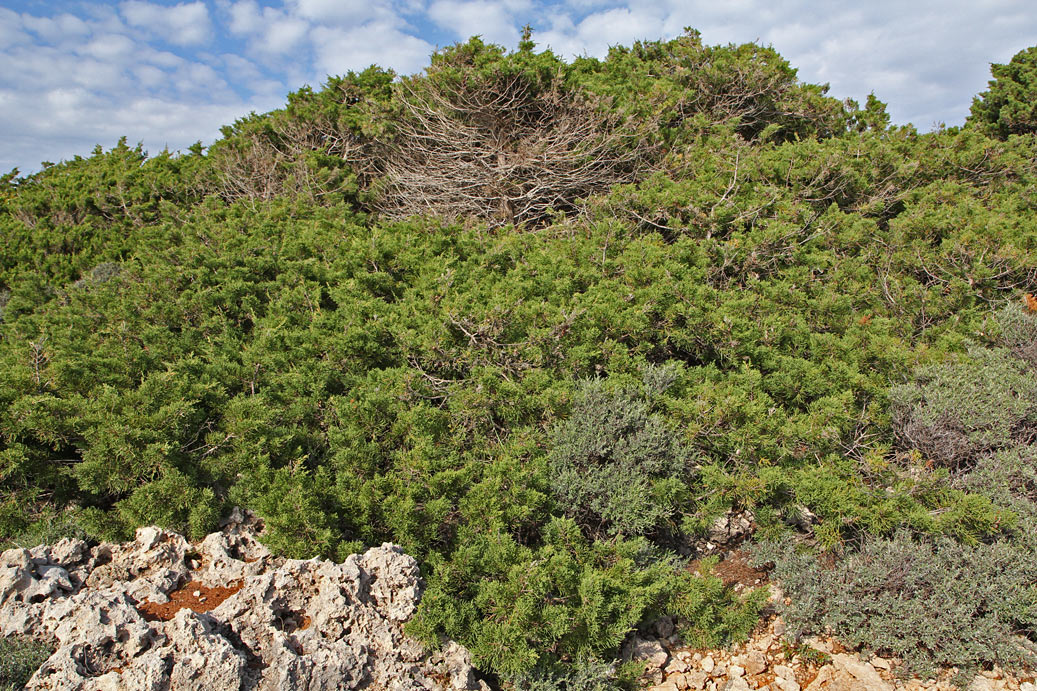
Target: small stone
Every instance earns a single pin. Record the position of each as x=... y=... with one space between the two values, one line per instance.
x=676 y=666
x=667 y=686
x=786 y=684
x=664 y=627
x=818 y=644
x=197 y=593
x=879 y=663
x=864 y=674
x=736 y=684
x=981 y=684
x=649 y=650
x=734 y=672
x=784 y=672
x=765 y=643
x=708 y=665
x=1027 y=686
x=754 y=662
x=696 y=680
x=779 y=627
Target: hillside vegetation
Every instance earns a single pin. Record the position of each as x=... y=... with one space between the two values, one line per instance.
x=541 y=323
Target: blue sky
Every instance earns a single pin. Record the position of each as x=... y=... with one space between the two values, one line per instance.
x=75 y=73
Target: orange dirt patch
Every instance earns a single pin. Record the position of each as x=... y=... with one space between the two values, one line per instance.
x=305 y=622
x=205 y=600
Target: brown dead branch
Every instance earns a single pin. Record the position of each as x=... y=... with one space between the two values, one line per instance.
x=500 y=151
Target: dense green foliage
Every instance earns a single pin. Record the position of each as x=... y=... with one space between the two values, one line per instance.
x=20 y=657
x=540 y=406
x=1010 y=105
x=936 y=601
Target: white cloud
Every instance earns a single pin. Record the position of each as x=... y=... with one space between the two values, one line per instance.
x=270 y=30
x=245 y=17
x=184 y=24
x=109 y=47
x=496 y=21
x=341 y=50
x=55 y=29
x=346 y=13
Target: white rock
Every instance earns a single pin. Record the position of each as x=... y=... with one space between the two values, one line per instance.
x=879 y=663
x=649 y=650
x=696 y=679
x=676 y=665
x=981 y=683
x=754 y=662
x=707 y=664
x=734 y=672
x=306 y=625
x=864 y=673
x=737 y=684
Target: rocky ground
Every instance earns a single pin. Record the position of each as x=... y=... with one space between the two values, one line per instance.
x=770 y=663
x=160 y=613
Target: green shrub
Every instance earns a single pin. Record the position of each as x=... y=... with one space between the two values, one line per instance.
x=617 y=465
x=519 y=609
x=20 y=657
x=931 y=603
x=709 y=613
x=1008 y=106
x=1009 y=480
x=955 y=412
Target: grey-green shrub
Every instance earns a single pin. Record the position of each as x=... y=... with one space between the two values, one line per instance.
x=1018 y=327
x=955 y=412
x=1009 y=479
x=20 y=657
x=930 y=603
x=585 y=675
x=616 y=465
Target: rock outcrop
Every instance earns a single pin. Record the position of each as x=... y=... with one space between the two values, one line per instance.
x=161 y=613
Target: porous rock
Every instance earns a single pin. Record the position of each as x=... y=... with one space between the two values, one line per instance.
x=284 y=624
x=848 y=673
x=648 y=650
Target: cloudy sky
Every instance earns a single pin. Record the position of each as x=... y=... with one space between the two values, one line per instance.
x=76 y=73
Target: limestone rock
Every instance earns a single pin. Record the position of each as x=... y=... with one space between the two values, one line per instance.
x=737 y=684
x=754 y=662
x=981 y=683
x=848 y=673
x=866 y=676
x=730 y=527
x=696 y=680
x=649 y=650
x=133 y=616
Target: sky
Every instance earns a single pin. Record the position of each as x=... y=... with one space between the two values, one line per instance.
x=76 y=73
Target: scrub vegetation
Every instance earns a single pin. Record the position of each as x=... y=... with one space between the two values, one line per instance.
x=543 y=322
